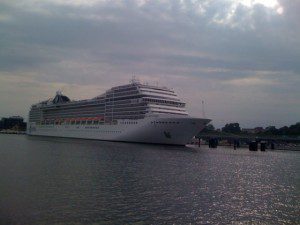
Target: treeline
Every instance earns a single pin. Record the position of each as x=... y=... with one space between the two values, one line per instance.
x=234 y=128
x=293 y=130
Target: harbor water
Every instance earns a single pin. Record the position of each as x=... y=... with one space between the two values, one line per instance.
x=70 y=181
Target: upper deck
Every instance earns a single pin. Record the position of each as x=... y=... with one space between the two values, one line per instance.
x=130 y=101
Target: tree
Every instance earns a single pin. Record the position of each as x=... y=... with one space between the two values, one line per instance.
x=232 y=128
x=209 y=127
x=294 y=129
x=271 y=130
x=283 y=131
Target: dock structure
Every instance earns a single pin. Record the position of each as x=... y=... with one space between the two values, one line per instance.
x=271 y=142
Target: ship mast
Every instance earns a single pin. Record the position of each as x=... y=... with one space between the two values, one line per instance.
x=203 y=112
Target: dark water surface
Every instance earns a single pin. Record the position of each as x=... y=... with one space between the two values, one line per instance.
x=68 y=181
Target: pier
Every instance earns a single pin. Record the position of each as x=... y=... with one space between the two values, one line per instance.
x=241 y=140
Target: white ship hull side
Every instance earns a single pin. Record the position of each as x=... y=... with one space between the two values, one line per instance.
x=156 y=130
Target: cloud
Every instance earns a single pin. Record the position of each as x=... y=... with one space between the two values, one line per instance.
x=249 y=81
x=227 y=52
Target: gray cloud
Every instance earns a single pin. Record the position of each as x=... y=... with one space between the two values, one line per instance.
x=225 y=52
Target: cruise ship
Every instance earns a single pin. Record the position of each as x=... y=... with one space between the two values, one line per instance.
x=134 y=112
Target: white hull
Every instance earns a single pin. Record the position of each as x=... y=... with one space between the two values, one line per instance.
x=156 y=130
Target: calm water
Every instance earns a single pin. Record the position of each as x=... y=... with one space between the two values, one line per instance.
x=68 y=181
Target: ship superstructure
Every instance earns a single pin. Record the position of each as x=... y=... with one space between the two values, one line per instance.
x=134 y=112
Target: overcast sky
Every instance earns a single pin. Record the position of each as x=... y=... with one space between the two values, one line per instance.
x=242 y=57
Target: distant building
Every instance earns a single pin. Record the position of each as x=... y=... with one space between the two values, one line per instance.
x=259 y=129
x=255 y=130
x=248 y=130
x=13 y=123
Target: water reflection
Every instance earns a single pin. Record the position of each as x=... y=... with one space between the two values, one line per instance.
x=67 y=181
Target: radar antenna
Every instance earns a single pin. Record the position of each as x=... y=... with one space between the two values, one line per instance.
x=134 y=80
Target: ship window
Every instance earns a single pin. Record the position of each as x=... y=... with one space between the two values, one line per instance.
x=73 y=122
x=83 y=122
x=96 y=122
x=89 y=122
x=77 y=122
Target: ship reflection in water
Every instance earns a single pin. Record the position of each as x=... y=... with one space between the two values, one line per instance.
x=70 y=181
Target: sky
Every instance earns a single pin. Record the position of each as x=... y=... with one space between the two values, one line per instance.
x=241 y=57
